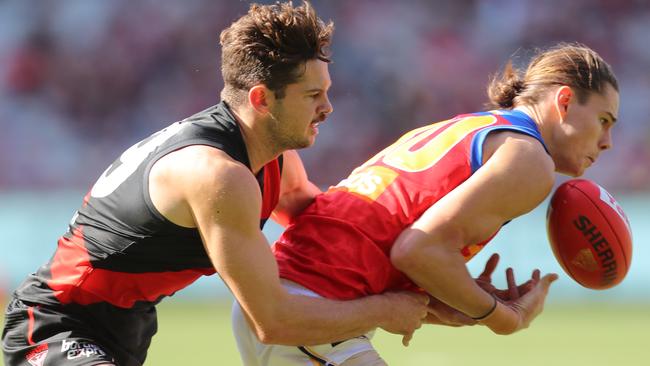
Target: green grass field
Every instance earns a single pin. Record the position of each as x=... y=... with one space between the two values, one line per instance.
x=579 y=334
x=594 y=335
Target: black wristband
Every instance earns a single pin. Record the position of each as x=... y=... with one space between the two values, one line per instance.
x=494 y=306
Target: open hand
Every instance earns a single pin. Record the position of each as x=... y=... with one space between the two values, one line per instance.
x=514 y=291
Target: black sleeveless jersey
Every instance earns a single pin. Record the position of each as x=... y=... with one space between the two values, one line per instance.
x=119 y=250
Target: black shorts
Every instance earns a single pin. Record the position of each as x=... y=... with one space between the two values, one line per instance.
x=39 y=335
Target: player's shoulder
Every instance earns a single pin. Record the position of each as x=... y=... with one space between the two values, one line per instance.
x=523 y=147
x=524 y=158
x=205 y=167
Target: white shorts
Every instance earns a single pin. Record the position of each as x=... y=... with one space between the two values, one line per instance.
x=254 y=353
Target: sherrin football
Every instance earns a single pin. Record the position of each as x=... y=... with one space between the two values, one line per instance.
x=589 y=233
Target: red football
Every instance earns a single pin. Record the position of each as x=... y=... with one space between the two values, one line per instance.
x=589 y=233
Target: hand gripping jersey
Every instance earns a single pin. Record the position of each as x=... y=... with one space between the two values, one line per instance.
x=339 y=247
x=120 y=254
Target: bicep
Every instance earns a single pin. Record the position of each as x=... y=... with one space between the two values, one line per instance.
x=429 y=251
x=226 y=207
x=516 y=178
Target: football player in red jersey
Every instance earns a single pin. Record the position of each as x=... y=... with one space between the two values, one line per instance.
x=414 y=214
x=190 y=200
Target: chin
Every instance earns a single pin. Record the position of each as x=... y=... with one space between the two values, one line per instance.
x=303 y=144
x=309 y=141
x=573 y=172
x=570 y=167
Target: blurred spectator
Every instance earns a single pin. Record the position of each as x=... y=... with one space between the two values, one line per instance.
x=81 y=80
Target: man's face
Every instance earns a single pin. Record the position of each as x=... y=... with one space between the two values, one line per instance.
x=304 y=106
x=586 y=131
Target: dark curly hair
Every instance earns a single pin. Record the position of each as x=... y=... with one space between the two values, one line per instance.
x=270 y=45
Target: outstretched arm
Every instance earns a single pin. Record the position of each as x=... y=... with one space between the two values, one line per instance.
x=225 y=201
x=443 y=314
x=515 y=179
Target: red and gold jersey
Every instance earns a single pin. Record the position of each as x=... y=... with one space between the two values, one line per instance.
x=339 y=247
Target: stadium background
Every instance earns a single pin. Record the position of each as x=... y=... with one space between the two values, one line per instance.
x=82 y=80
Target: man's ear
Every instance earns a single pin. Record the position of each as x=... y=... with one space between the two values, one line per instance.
x=563 y=97
x=261 y=98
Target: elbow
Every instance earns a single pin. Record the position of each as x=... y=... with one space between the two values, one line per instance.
x=269 y=332
x=268 y=335
x=260 y=323
x=279 y=329
x=400 y=258
x=404 y=254
x=280 y=334
x=275 y=321
x=415 y=250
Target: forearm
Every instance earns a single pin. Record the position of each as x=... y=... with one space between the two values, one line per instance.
x=278 y=317
x=303 y=320
x=296 y=192
x=294 y=202
x=442 y=314
x=441 y=271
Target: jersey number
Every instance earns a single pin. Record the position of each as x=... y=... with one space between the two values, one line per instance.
x=413 y=153
x=416 y=151
x=130 y=160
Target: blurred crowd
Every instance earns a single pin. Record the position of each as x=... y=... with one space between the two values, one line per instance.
x=81 y=80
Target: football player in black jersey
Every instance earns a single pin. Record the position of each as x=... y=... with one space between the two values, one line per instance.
x=190 y=200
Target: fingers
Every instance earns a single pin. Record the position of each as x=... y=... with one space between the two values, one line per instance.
x=543 y=285
x=407 y=339
x=486 y=286
x=408 y=310
x=425 y=299
x=513 y=291
x=490 y=266
x=548 y=279
x=420 y=297
x=425 y=309
x=536 y=274
x=525 y=287
x=501 y=295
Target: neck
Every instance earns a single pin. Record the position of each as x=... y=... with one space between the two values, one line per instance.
x=260 y=147
x=545 y=129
